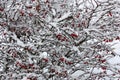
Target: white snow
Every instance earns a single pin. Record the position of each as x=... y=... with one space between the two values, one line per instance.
x=45 y=70
x=76 y=49
x=63 y=17
x=115 y=45
x=24 y=78
x=44 y=55
x=1 y=68
x=19 y=42
x=77 y=73
x=114 y=60
x=96 y=70
x=53 y=12
x=102 y=0
x=30 y=61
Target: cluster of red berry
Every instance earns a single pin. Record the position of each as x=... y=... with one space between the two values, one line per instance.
x=63 y=38
x=110 y=40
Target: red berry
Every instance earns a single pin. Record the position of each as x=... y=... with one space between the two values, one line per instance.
x=104 y=67
x=110 y=40
x=28 y=7
x=62 y=59
x=79 y=25
x=63 y=39
x=4 y=33
x=78 y=15
x=14 y=55
x=98 y=56
x=52 y=70
x=110 y=14
x=17 y=63
x=23 y=66
x=74 y=35
x=38 y=7
x=30 y=14
x=106 y=40
x=85 y=62
x=21 y=13
x=33 y=0
x=117 y=38
x=1 y=9
x=57 y=73
x=59 y=36
x=73 y=24
x=103 y=60
x=47 y=1
x=31 y=64
x=113 y=74
x=4 y=23
x=69 y=62
x=45 y=59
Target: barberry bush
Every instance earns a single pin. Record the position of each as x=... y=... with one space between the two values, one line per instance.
x=58 y=39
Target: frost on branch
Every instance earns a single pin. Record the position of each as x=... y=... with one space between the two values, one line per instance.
x=59 y=39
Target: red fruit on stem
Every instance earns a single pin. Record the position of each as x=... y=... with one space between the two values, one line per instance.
x=30 y=14
x=28 y=7
x=14 y=54
x=73 y=24
x=21 y=13
x=69 y=62
x=113 y=74
x=103 y=60
x=56 y=72
x=4 y=33
x=110 y=40
x=23 y=66
x=98 y=56
x=17 y=63
x=30 y=65
x=38 y=7
x=74 y=35
x=85 y=62
x=63 y=39
x=35 y=78
x=47 y=1
x=45 y=59
x=78 y=15
x=33 y=0
x=117 y=38
x=106 y=40
x=110 y=13
x=52 y=70
x=59 y=36
x=104 y=67
x=83 y=23
x=79 y=25
x=62 y=59
x=3 y=24
x=1 y=9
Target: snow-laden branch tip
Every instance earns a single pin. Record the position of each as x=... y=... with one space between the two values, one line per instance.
x=19 y=42
x=64 y=16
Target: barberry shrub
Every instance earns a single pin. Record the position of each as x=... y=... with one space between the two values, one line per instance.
x=58 y=39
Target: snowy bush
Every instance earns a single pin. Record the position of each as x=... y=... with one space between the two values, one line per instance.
x=59 y=39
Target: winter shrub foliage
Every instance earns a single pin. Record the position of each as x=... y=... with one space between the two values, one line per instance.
x=58 y=39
